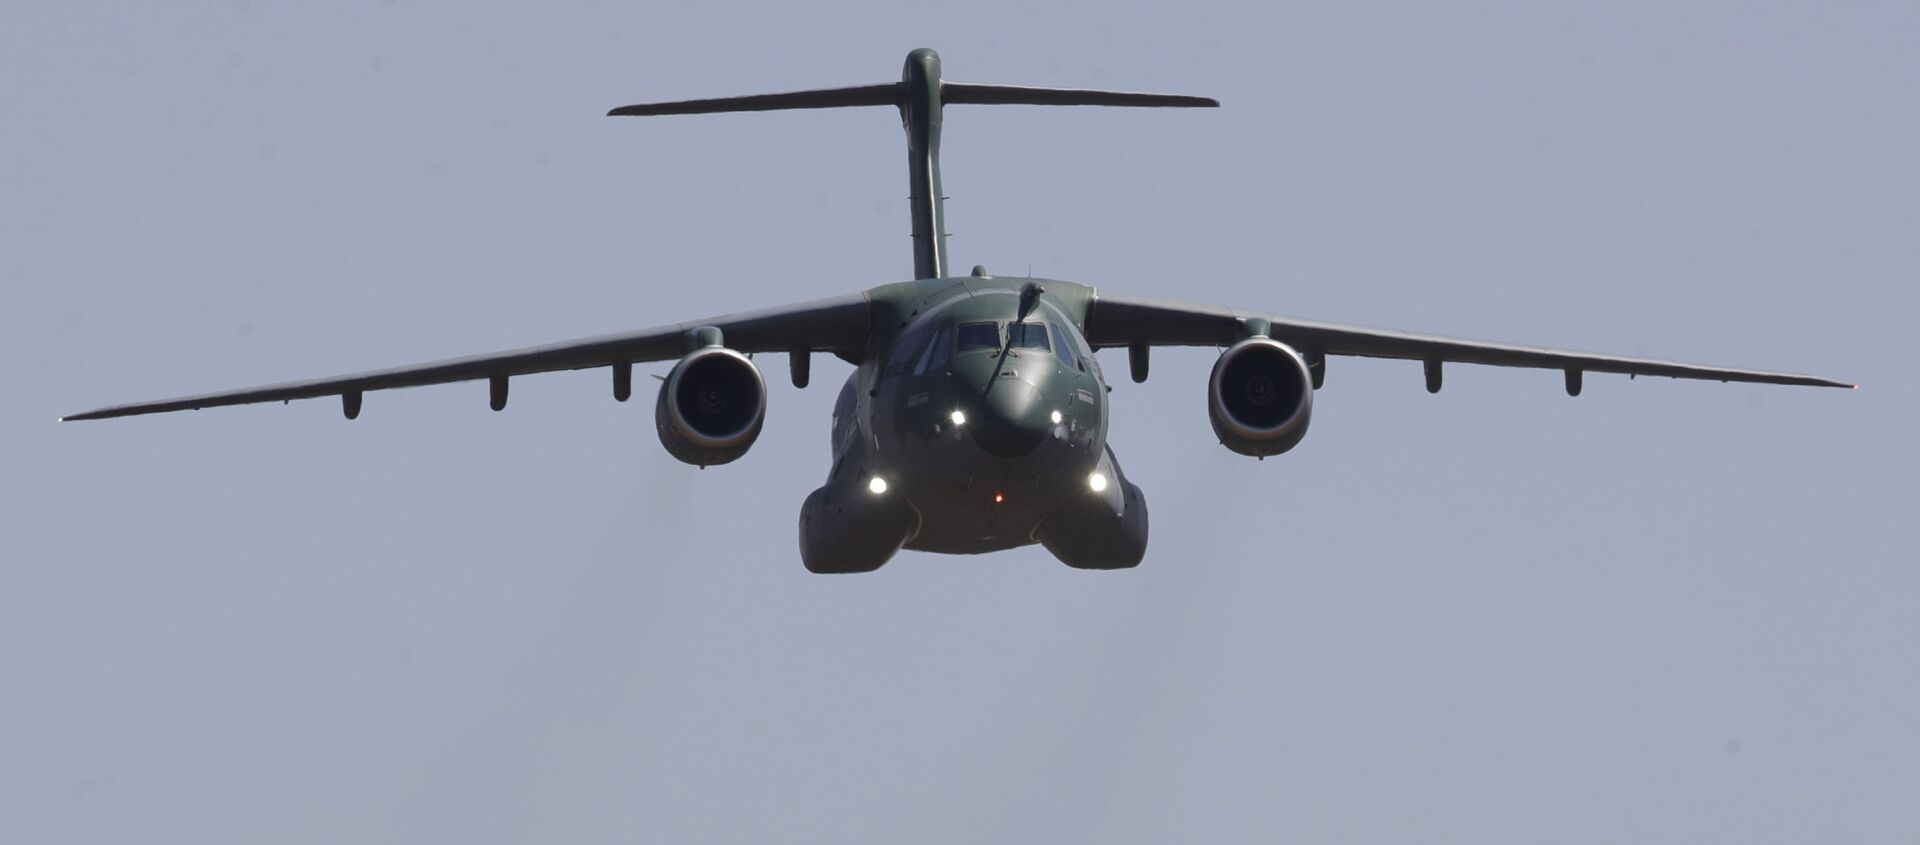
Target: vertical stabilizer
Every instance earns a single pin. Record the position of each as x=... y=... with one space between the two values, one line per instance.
x=920 y=115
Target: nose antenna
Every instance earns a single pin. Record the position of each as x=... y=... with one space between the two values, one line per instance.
x=1029 y=299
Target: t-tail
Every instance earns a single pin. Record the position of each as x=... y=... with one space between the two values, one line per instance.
x=921 y=95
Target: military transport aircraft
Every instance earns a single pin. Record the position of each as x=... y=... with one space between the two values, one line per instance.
x=976 y=416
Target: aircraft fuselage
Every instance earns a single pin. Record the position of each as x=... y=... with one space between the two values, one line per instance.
x=970 y=429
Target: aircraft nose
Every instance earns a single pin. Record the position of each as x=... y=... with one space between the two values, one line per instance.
x=1012 y=421
x=1009 y=417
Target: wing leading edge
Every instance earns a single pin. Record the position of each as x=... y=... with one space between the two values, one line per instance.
x=838 y=325
x=1127 y=321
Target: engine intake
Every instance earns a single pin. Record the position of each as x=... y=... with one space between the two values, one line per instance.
x=1260 y=397
x=711 y=407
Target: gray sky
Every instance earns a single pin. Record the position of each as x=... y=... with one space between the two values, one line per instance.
x=1661 y=612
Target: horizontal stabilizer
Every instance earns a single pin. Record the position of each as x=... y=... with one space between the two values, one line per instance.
x=884 y=94
x=895 y=93
x=921 y=95
x=1026 y=95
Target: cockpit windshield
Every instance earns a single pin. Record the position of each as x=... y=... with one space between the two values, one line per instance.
x=1029 y=336
x=978 y=336
x=935 y=355
x=1063 y=347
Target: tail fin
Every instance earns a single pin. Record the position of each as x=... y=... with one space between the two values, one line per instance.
x=921 y=96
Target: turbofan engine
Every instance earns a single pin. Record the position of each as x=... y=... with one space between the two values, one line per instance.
x=1260 y=397
x=711 y=407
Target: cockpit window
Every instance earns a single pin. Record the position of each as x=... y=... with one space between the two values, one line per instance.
x=935 y=355
x=1062 y=347
x=978 y=336
x=1029 y=335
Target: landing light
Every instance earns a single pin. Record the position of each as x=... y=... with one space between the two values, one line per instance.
x=1098 y=482
x=1056 y=417
x=958 y=417
x=877 y=485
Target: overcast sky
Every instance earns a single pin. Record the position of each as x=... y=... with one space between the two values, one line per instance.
x=1660 y=612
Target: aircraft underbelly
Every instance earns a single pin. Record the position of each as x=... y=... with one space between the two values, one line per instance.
x=972 y=530
x=972 y=503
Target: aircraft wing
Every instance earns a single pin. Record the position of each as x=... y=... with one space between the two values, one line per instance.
x=838 y=325
x=1126 y=321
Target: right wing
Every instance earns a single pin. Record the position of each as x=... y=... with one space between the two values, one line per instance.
x=839 y=325
x=1115 y=320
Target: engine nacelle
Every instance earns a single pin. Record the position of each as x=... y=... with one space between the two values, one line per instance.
x=711 y=407
x=1260 y=397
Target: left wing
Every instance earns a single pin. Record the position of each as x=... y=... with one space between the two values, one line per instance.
x=838 y=325
x=1128 y=321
